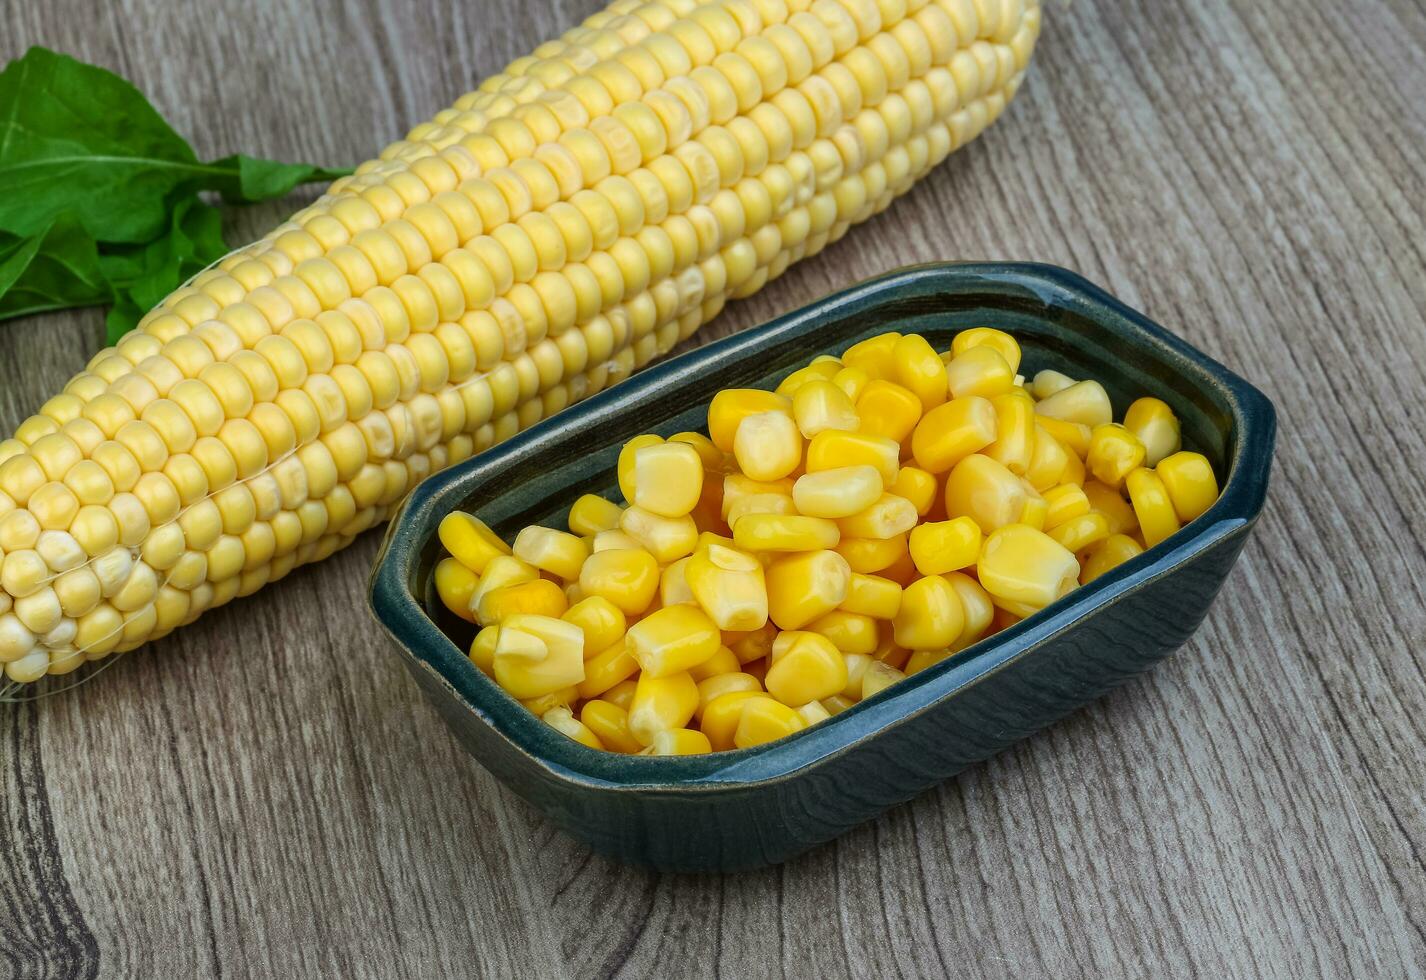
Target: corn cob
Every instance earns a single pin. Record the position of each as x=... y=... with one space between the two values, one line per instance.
x=571 y=219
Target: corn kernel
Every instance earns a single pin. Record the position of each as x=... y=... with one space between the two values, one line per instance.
x=1084 y=402
x=670 y=641
x=876 y=356
x=760 y=503
x=813 y=712
x=750 y=645
x=611 y=666
x=454 y=585
x=627 y=577
x=661 y=704
x=592 y=514
x=1047 y=382
x=872 y=595
x=708 y=454
x=678 y=741
x=666 y=538
x=918 y=368
x=673 y=584
x=979 y=371
x=1113 y=452
x=736 y=487
x=1022 y=565
x=626 y=467
x=540 y=597
x=807 y=671
x=1107 y=555
x=1063 y=503
x=720 y=716
x=1113 y=506
x=868 y=555
x=888 y=410
x=764 y=720
x=615 y=540
x=998 y=340
x=1014 y=445
x=471 y=542
x=731 y=405
x=722 y=662
x=820 y=405
x=610 y=724
x=851 y=381
x=879 y=677
x=930 y=615
x=482 y=649
x=803 y=587
x=888 y=517
x=621 y=695
x=1191 y=485
x=668 y=479
x=557 y=552
x=834 y=449
x=978 y=607
x=919 y=660
x=1048 y=462
x=839 y=492
x=562 y=720
x=501 y=571
x=1156 y=427
x=537 y=655
x=730 y=586
x=836 y=704
x=849 y=632
x=917 y=486
x=767 y=445
x=938 y=547
x=601 y=622
x=1074 y=436
x=778 y=532
x=816 y=371
x=1153 y=508
x=1080 y=532
x=949 y=433
x=980 y=488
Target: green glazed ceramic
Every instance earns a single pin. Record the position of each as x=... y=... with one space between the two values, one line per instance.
x=743 y=809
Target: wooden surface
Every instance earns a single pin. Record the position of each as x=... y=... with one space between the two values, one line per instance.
x=264 y=794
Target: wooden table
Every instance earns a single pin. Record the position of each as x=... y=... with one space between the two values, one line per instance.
x=264 y=794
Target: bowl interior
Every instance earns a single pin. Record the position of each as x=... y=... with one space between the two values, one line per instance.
x=1061 y=322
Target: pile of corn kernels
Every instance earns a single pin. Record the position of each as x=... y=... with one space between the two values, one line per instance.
x=875 y=515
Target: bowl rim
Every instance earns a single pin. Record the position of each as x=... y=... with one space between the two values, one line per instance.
x=425 y=646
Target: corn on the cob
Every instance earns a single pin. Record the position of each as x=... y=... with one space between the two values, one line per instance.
x=555 y=229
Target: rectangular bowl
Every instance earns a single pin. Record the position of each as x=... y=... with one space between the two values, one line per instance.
x=753 y=807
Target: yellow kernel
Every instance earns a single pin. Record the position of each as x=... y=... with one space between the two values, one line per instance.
x=536 y=655
x=666 y=538
x=780 y=532
x=607 y=668
x=1000 y=341
x=1153 y=507
x=731 y=405
x=730 y=587
x=764 y=720
x=626 y=468
x=930 y=615
x=888 y=410
x=672 y=640
x=1080 y=532
x=920 y=369
x=938 y=547
x=1084 y=402
x=832 y=449
x=562 y=720
x=979 y=371
x=556 y=552
x=668 y=478
x=470 y=540
x=887 y=517
x=610 y=724
x=1114 y=452
x=626 y=577
x=879 y=677
x=984 y=490
x=819 y=405
x=1021 y=565
x=767 y=445
x=952 y=431
x=661 y=704
x=591 y=514
x=839 y=492
x=806 y=586
x=1188 y=478
x=1107 y=555
x=1156 y=427
x=601 y=621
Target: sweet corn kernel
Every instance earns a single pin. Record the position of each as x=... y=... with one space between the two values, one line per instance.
x=1107 y=555
x=1080 y=532
x=722 y=662
x=879 y=677
x=949 y=433
x=1191 y=485
x=557 y=552
x=622 y=694
x=750 y=645
x=666 y=538
x=1084 y=402
x=610 y=724
x=872 y=595
x=661 y=704
x=851 y=381
x=601 y=622
x=454 y=584
x=611 y=666
x=977 y=605
x=1112 y=505
x=1047 y=382
x=482 y=649
x=808 y=670
x=919 y=369
x=562 y=720
x=839 y=492
x=537 y=655
x=1014 y=445
x=679 y=741
x=803 y=587
x=1156 y=426
x=979 y=371
x=998 y=340
x=614 y=540
x=540 y=597
x=833 y=449
x=849 y=632
x=813 y=712
x=764 y=720
x=1021 y=565
x=1063 y=503
x=780 y=532
x=591 y=514
x=626 y=469
x=673 y=584
x=836 y=704
x=730 y=587
x=470 y=541
x=1153 y=508
x=887 y=517
x=917 y=486
x=930 y=615
x=760 y=503
x=866 y=555
x=921 y=659
x=1074 y=436
x=1049 y=461
x=876 y=356
x=980 y=488
x=888 y=410
x=720 y=716
x=731 y=405
x=501 y=571
x=627 y=577
x=816 y=371
x=767 y=445
x=1114 y=451
x=668 y=479
x=670 y=641
x=708 y=454
x=736 y=487
x=943 y=546
x=819 y=406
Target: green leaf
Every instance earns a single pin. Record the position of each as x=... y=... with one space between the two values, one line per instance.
x=251 y=179
x=142 y=275
x=52 y=270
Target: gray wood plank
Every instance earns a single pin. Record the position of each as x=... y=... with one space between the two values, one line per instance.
x=256 y=797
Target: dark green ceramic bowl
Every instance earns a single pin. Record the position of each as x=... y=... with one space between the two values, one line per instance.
x=752 y=807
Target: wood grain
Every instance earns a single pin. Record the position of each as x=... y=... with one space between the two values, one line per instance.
x=264 y=794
